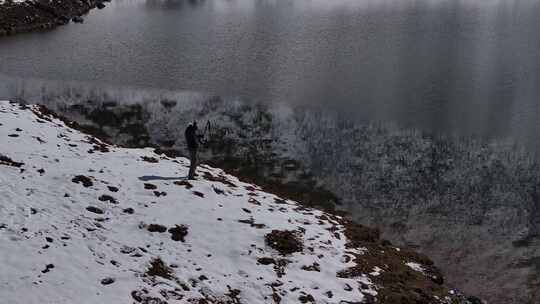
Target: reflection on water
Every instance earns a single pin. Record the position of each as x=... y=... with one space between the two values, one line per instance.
x=173 y=4
x=465 y=67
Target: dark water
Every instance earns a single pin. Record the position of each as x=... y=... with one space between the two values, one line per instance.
x=468 y=67
x=461 y=67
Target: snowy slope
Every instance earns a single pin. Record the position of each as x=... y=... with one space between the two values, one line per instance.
x=13 y=1
x=84 y=222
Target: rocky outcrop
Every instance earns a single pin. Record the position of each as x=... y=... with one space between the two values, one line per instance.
x=17 y=17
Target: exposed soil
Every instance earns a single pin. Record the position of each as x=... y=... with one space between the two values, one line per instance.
x=150 y=186
x=156 y=228
x=178 y=233
x=42 y=14
x=220 y=178
x=108 y=198
x=160 y=269
x=97 y=137
x=252 y=223
x=107 y=281
x=402 y=283
x=94 y=209
x=186 y=184
x=149 y=159
x=284 y=241
x=197 y=193
x=84 y=180
x=4 y=160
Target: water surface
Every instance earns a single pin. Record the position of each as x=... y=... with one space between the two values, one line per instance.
x=460 y=67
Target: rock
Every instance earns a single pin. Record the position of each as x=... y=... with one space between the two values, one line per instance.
x=160 y=269
x=149 y=159
x=4 y=160
x=107 y=281
x=197 y=193
x=48 y=268
x=78 y=19
x=156 y=228
x=178 y=233
x=94 y=209
x=108 y=198
x=474 y=300
x=86 y=181
x=218 y=191
x=100 y=5
x=127 y=249
x=128 y=210
x=158 y=194
x=266 y=261
x=149 y=186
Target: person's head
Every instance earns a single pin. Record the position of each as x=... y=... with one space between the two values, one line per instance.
x=194 y=123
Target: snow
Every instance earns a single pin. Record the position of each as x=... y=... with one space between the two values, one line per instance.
x=415 y=266
x=44 y=220
x=13 y=1
x=376 y=271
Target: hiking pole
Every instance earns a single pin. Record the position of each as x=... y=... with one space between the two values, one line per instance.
x=206 y=131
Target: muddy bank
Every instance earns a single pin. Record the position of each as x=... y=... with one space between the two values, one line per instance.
x=43 y=14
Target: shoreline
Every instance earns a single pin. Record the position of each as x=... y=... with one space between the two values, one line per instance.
x=20 y=17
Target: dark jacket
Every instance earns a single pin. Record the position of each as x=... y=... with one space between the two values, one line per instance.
x=191 y=137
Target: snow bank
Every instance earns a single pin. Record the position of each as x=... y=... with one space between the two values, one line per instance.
x=13 y=1
x=75 y=222
x=82 y=221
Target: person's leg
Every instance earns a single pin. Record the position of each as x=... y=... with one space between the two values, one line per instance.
x=192 y=163
x=195 y=163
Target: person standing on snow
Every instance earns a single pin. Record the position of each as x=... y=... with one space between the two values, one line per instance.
x=192 y=140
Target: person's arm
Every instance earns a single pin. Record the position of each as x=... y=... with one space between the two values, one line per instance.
x=200 y=138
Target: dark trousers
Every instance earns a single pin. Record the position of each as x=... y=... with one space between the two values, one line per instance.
x=192 y=163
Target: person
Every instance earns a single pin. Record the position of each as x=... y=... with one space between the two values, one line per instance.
x=192 y=140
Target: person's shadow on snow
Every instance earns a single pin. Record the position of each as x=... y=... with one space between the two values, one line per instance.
x=147 y=178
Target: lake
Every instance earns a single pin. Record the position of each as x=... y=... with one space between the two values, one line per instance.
x=456 y=67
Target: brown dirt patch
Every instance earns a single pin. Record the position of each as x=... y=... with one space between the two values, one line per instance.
x=284 y=241
x=178 y=233
x=197 y=193
x=94 y=209
x=156 y=228
x=220 y=179
x=4 y=160
x=84 y=180
x=252 y=223
x=186 y=184
x=148 y=186
x=158 y=268
x=399 y=283
x=149 y=159
x=108 y=198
